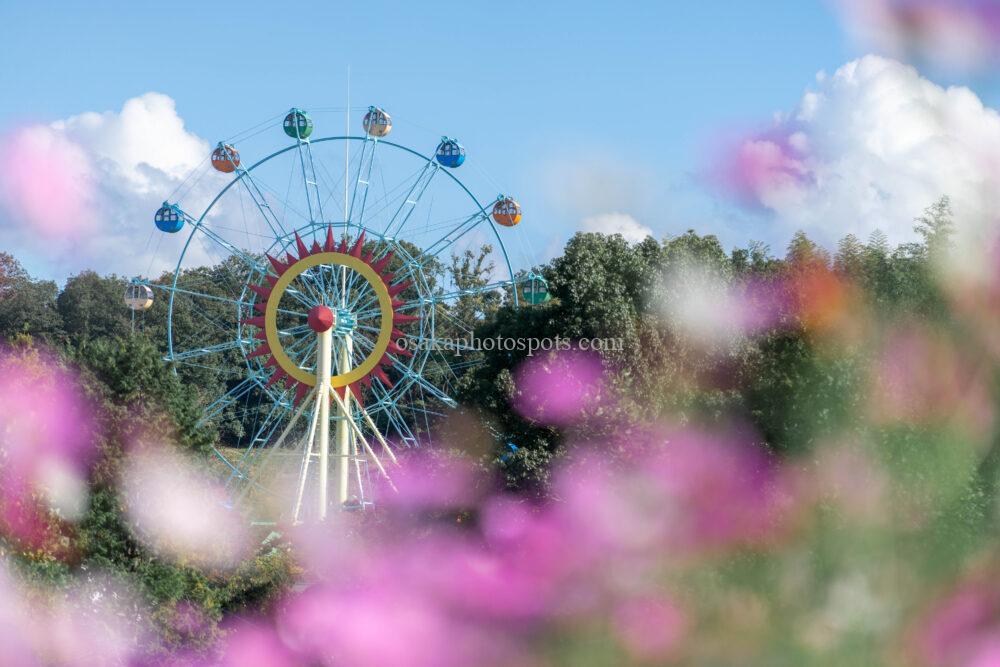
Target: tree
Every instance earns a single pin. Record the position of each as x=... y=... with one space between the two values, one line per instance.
x=473 y=271
x=26 y=306
x=12 y=274
x=133 y=374
x=754 y=260
x=802 y=252
x=603 y=288
x=850 y=258
x=936 y=227
x=91 y=306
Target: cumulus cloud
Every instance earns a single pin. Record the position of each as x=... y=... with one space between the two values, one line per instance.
x=617 y=223
x=81 y=192
x=585 y=184
x=870 y=148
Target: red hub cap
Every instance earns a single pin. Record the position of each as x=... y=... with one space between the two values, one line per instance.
x=320 y=319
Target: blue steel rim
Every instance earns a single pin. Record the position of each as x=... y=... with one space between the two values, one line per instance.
x=431 y=160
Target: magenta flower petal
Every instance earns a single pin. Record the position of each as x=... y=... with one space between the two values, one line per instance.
x=559 y=388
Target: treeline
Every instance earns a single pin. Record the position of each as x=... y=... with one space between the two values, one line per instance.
x=602 y=287
x=783 y=380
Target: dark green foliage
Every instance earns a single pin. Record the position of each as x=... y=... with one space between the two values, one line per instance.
x=795 y=396
x=92 y=306
x=26 y=306
x=936 y=227
x=793 y=393
x=136 y=378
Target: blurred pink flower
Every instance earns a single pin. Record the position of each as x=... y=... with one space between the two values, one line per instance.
x=256 y=644
x=540 y=542
x=45 y=182
x=850 y=479
x=694 y=491
x=764 y=304
x=181 y=512
x=559 y=388
x=649 y=627
x=189 y=620
x=955 y=34
x=960 y=625
x=47 y=442
x=95 y=620
x=15 y=625
x=924 y=378
x=987 y=655
x=474 y=582
x=380 y=624
x=100 y=618
x=428 y=480
x=709 y=310
x=757 y=168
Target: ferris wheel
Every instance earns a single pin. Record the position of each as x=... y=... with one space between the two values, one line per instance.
x=313 y=290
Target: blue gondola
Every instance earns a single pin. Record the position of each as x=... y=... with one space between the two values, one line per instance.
x=168 y=219
x=450 y=153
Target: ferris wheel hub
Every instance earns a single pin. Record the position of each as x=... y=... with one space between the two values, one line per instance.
x=345 y=321
x=321 y=319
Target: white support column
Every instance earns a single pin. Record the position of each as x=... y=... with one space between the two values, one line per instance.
x=323 y=373
x=344 y=432
x=307 y=455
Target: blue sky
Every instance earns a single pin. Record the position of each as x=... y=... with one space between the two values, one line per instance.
x=641 y=87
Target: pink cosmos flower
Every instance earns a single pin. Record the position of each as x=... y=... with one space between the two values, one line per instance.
x=649 y=627
x=256 y=644
x=45 y=182
x=955 y=34
x=694 y=491
x=47 y=443
x=559 y=388
x=959 y=626
x=758 y=167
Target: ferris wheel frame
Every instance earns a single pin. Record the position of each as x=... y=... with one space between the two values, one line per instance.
x=287 y=240
x=282 y=242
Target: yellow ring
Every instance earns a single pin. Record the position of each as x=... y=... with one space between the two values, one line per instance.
x=384 y=302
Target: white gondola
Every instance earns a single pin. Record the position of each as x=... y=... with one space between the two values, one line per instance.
x=138 y=297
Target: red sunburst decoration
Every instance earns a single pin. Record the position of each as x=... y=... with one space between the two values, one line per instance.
x=317 y=320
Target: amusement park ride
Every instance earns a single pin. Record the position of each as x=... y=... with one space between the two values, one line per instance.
x=336 y=312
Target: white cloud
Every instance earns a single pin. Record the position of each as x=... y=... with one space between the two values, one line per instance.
x=873 y=146
x=617 y=223
x=583 y=184
x=106 y=173
x=598 y=192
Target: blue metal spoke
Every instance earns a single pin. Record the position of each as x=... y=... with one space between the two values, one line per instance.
x=409 y=203
x=359 y=221
x=210 y=349
x=213 y=297
x=232 y=395
x=446 y=241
